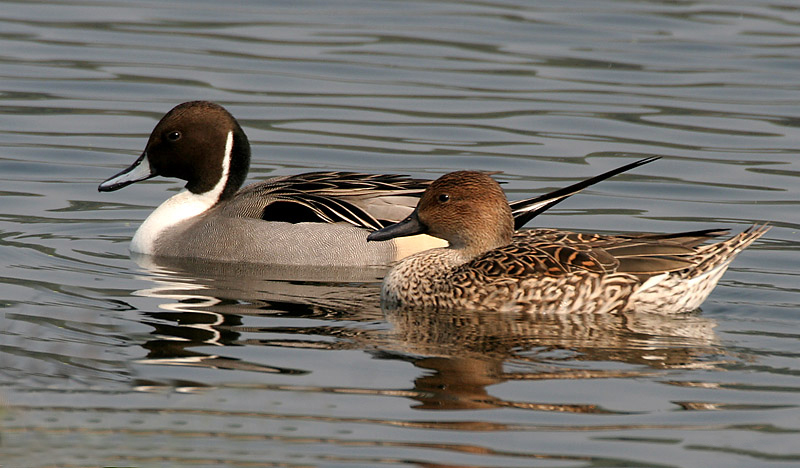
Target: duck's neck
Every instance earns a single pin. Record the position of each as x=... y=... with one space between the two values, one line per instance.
x=217 y=186
x=479 y=243
x=188 y=204
x=237 y=151
x=486 y=230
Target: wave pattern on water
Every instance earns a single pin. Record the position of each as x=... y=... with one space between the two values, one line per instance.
x=112 y=360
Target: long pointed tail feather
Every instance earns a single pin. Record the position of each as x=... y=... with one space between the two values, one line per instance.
x=526 y=210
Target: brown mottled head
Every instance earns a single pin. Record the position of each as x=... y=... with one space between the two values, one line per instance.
x=199 y=142
x=466 y=208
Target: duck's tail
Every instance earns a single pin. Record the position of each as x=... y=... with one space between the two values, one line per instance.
x=526 y=210
x=685 y=290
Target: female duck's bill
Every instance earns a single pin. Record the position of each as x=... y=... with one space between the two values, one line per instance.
x=407 y=227
x=489 y=266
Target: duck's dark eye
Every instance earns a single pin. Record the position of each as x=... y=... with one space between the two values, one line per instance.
x=444 y=197
x=174 y=136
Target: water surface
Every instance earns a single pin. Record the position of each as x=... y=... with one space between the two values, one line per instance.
x=109 y=360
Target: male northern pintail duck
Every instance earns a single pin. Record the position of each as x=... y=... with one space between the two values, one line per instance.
x=490 y=266
x=317 y=218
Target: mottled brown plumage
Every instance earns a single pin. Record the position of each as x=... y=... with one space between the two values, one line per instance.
x=545 y=270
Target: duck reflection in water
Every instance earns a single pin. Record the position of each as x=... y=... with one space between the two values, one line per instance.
x=206 y=303
x=461 y=353
x=464 y=352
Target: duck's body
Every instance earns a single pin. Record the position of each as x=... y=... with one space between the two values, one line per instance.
x=488 y=266
x=236 y=230
x=547 y=271
x=319 y=218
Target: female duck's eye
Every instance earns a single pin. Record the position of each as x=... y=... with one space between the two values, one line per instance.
x=174 y=136
x=444 y=197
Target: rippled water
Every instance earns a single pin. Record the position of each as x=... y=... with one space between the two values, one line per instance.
x=108 y=360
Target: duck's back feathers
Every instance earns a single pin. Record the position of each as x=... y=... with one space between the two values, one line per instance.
x=363 y=200
x=553 y=252
x=524 y=258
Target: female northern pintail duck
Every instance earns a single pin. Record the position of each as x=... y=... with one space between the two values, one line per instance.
x=318 y=218
x=488 y=265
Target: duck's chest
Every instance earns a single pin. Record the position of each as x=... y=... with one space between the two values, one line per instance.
x=167 y=217
x=421 y=280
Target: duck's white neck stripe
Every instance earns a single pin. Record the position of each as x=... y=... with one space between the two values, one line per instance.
x=180 y=207
x=212 y=196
